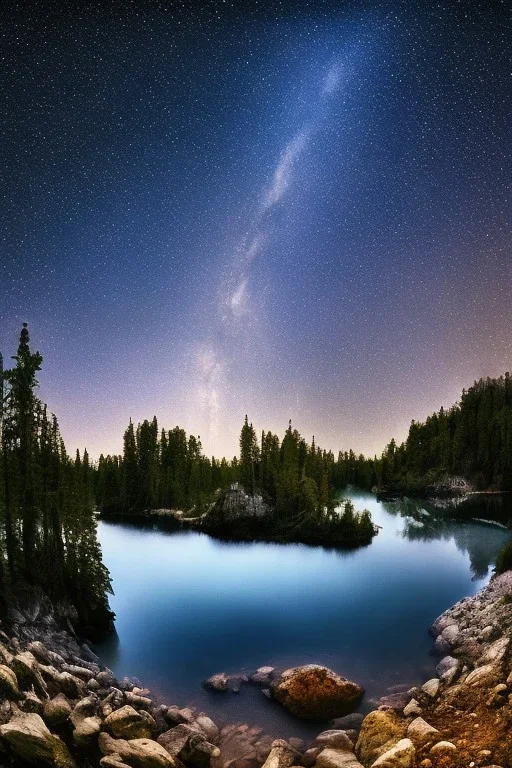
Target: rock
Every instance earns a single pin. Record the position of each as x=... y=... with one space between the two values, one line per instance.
x=208 y=727
x=243 y=747
x=218 y=682
x=396 y=700
x=441 y=646
x=6 y=656
x=92 y=685
x=380 y=731
x=263 y=676
x=412 y=708
x=44 y=655
x=448 y=668
x=348 y=723
x=70 y=685
x=419 y=731
x=495 y=652
x=8 y=684
x=141 y=702
x=315 y=692
x=450 y=634
x=399 y=756
x=57 y=710
x=86 y=724
x=174 y=716
x=113 y=761
x=189 y=745
x=32 y=703
x=81 y=672
x=337 y=758
x=137 y=753
x=333 y=740
x=281 y=755
x=106 y=678
x=86 y=731
x=222 y=682
x=127 y=723
x=431 y=687
x=443 y=748
x=30 y=739
x=481 y=675
x=26 y=668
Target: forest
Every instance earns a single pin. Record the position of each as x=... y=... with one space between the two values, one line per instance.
x=48 y=526
x=471 y=440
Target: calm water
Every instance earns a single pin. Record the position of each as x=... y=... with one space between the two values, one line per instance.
x=188 y=606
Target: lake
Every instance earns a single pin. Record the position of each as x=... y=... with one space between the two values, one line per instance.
x=189 y=606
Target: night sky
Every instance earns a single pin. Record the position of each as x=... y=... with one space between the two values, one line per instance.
x=287 y=209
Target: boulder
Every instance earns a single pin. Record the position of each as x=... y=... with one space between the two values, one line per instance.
x=419 y=731
x=86 y=723
x=263 y=676
x=188 y=744
x=30 y=739
x=431 y=687
x=137 y=753
x=32 y=703
x=127 y=723
x=57 y=710
x=333 y=740
x=481 y=675
x=26 y=668
x=337 y=758
x=315 y=692
x=281 y=755
x=8 y=684
x=380 y=731
x=448 y=668
x=208 y=727
x=443 y=748
x=412 y=708
x=401 y=755
x=222 y=682
x=351 y=722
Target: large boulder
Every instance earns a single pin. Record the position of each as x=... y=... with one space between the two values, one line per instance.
x=313 y=692
x=127 y=723
x=380 y=731
x=137 y=753
x=30 y=739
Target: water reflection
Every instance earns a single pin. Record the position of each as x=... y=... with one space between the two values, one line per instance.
x=188 y=606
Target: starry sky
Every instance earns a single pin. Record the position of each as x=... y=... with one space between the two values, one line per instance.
x=287 y=209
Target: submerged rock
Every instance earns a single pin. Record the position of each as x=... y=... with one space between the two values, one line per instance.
x=313 y=692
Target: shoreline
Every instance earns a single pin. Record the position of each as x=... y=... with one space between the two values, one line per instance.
x=461 y=716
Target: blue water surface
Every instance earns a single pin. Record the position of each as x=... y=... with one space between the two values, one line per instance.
x=188 y=605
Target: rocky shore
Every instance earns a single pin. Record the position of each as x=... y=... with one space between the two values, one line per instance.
x=59 y=706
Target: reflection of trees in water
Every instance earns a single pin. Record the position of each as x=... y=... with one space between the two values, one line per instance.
x=460 y=522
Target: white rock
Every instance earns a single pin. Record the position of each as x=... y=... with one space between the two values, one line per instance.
x=399 y=756
x=431 y=686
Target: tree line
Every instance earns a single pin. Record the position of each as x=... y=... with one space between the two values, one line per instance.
x=47 y=521
x=472 y=439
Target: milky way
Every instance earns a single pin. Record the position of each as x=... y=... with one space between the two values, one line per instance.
x=291 y=210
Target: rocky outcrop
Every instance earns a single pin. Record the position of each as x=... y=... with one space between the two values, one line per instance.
x=313 y=692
